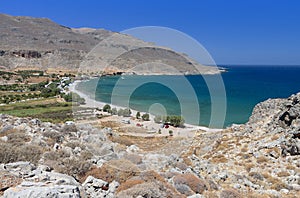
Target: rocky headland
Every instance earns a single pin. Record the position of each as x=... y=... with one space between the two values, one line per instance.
x=258 y=159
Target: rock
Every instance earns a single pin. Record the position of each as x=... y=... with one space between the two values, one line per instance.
x=20 y=168
x=132 y=149
x=196 y=196
x=38 y=190
x=77 y=150
x=6 y=128
x=97 y=187
x=4 y=138
x=8 y=180
x=284 y=191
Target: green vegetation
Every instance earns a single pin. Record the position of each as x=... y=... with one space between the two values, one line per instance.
x=114 y=111
x=170 y=132
x=73 y=97
x=124 y=112
x=174 y=120
x=107 y=108
x=44 y=109
x=138 y=115
x=158 y=119
x=146 y=117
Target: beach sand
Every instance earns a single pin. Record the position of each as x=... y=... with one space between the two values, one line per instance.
x=150 y=127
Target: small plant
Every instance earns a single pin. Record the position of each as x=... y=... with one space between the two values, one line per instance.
x=159 y=131
x=114 y=111
x=170 y=132
x=146 y=117
x=138 y=115
x=106 y=108
x=157 y=119
x=127 y=112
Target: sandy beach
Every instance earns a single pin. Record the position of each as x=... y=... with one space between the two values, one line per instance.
x=150 y=127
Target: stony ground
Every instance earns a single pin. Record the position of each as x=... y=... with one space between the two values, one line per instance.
x=258 y=159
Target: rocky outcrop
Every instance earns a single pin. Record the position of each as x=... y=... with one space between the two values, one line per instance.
x=257 y=159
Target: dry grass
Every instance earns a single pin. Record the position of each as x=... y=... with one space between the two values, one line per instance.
x=249 y=166
x=19 y=152
x=129 y=184
x=219 y=159
x=244 y=149
x=290 y=167
x=283 y=174
x=62 y=162
x=195 y=183
x=230 y=193
x=262 y=159
x=119 y=170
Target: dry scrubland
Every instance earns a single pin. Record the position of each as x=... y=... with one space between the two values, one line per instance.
x=94 y=159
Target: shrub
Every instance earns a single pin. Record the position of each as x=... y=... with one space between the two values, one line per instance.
x=230 y=193
x=127 y=112
x=120 y=112
x=10 y=153
x=114 y=111
x=170 y=132
x=158 y=119
x=119 y=170
x=138 y=115
x=174 y=120
x=146 y=117
x=129 y=184
x=62 y=162
x=106 y=108
x=196 y=184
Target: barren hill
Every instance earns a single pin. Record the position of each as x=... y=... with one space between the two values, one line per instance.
x=40 y=43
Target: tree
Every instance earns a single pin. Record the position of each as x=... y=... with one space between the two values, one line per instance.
x=146 y=117
x=120 y=112
x=157 y=119
x=114 y=111
x=127 y=112
x=138 y=115
x=159 y=131
x=106 y=108
x=174 y=120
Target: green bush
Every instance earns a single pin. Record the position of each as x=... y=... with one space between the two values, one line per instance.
x=174 y=120
x=138 y=115
x=114 y=111
x=158 y=119
x=127 y=112
x=146 y=117
x=106 y=108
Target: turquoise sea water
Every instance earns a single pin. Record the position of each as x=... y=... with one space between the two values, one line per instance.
x=245 y=86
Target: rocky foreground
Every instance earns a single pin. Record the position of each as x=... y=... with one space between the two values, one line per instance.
x=258 y=159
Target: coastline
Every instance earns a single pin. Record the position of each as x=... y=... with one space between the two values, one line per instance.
x=188 y=130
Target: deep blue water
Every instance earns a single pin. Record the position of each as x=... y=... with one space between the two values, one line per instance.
x=245 y=86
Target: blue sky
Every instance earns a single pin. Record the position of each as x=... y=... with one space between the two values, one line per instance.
x=234 y=32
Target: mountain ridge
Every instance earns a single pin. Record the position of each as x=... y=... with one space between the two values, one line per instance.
x=27 y=42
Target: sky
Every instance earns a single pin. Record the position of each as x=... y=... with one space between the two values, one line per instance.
x=250 y=32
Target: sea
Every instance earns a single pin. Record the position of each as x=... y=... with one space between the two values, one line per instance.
x=215 y=101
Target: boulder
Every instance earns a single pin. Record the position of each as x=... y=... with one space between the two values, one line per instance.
x=38 y=190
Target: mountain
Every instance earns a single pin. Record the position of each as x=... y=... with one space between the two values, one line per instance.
x=39 y=43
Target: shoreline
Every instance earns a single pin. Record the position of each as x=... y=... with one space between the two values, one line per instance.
x=187 y=131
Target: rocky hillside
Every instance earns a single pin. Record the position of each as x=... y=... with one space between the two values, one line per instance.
x=39 y=43
x=258 y=159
